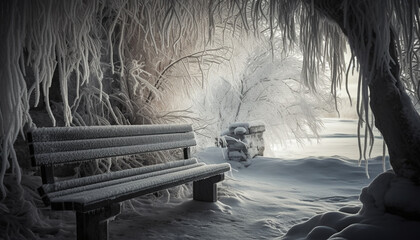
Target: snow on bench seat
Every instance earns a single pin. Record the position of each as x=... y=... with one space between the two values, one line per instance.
x=49 y=191
x=102 y=195
x=77 y=182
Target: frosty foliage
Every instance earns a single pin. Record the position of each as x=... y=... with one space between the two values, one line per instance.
x=19 y=215
x=383 y=38
x=110 y=58
x=123 y=61
x=411 y=73
x=262 y=87
x=114 y=58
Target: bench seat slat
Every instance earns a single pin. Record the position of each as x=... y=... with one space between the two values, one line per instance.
x=95 y=143
x=76 y=182
x=109 y=183
x=87 y=132
x=92 y=199
x=83 y=155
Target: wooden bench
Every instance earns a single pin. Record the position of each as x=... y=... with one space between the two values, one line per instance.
x=97 y=198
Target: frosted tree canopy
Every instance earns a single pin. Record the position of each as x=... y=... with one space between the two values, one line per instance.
x=121 y=61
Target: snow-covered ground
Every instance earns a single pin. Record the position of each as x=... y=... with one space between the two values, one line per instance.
x=272 y=195
x=337 y=138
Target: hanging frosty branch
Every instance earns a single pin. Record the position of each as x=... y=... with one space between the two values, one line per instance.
x=106 y=56
x=109 y=56
x=113 y=59
x=263 y=88
x=382 y=36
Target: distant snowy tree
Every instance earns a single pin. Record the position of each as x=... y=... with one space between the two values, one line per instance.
x=259 y=86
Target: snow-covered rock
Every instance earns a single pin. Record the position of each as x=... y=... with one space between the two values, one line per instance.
x=243 y=141
x=239 y=131
x=391 y=210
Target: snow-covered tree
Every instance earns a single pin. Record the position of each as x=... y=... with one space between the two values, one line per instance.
x=261 y=86
x=383 y=37
x=108 y=61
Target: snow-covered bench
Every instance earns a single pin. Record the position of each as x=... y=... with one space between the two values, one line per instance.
x=98 y=198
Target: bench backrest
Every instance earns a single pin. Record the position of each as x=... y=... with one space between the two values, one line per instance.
x=61 y=145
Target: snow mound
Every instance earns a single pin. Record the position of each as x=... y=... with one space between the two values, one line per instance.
x=239 y=130
x=391 y=210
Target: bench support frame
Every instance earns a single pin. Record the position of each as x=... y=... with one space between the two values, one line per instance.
x=94 y=224
x=50 y=147
x=47 y=174
x=205 y=190
x=187 y=153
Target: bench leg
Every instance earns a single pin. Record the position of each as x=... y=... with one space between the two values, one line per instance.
x=187 y=153
x=93 y=225
x=47 y=174
x=206 y=189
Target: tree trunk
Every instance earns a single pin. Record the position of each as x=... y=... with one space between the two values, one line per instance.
x=395 y=116
x=396 y=119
